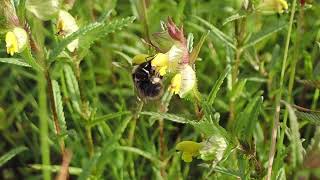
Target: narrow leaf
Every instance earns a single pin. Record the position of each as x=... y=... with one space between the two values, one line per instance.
x=107 y=117
x=14 y=61
x=260 y=36
x=72 y=87
x=56 y=168
x=59 y=105
x=312 y=117
x=196 y=50
x=213 y=93
x=12 y=153
x=167 y=116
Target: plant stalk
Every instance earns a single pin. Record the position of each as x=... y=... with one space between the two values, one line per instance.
x=279 y=95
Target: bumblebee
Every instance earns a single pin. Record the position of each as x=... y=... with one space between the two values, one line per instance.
x=147 y=81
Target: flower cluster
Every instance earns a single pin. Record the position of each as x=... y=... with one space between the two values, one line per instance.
x=175 y=61
x=17 y=38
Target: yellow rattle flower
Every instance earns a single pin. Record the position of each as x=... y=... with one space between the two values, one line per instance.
x=16 y=40
x=66 y=25
x=189 y=149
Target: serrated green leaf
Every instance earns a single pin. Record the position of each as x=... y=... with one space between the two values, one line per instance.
x=167 y=116
x=14 y=61
x=9 y=155
x=297 y=149
x=311 y=83
x=59 y=105
x=72 y=87
x=312 y=117
x=95 y=30
x=233 y=18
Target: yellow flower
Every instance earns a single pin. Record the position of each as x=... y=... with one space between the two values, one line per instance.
x=66 y=25
x=175 y=86
x=273 y=6
x=16 y=40
x=183 y=82
x=11 y=43
x=189 y=149
x=160 y=62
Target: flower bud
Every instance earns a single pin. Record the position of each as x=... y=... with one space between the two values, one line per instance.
x=44 y=9
x=213 y=148
x=189 y=149
x=67 y=25
x=272 y=6
x=16 y=40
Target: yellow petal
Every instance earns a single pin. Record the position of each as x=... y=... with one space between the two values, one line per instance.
x=175 y=84
x=187 y=157
x=189 y=146
x=11 y=43
x=160 y=60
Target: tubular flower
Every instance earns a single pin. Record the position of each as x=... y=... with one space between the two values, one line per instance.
x=66 y=25
x=273 y=6
x=213 y=149
x=16 y=40
x=184 y=81
x=189 y=150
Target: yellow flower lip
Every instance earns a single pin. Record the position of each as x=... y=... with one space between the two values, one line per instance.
x=189 y=149
x=11 y=43
x=175 y=86
x=16 y=40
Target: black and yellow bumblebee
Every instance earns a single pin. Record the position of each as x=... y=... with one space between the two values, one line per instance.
x=147 y=81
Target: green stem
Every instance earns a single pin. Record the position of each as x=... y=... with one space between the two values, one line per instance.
x=289 y=98
x=44 y=134
x=279 y=95
x=89 y=141
x=131 y=135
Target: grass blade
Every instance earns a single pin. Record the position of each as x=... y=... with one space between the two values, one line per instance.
x=12 y=153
